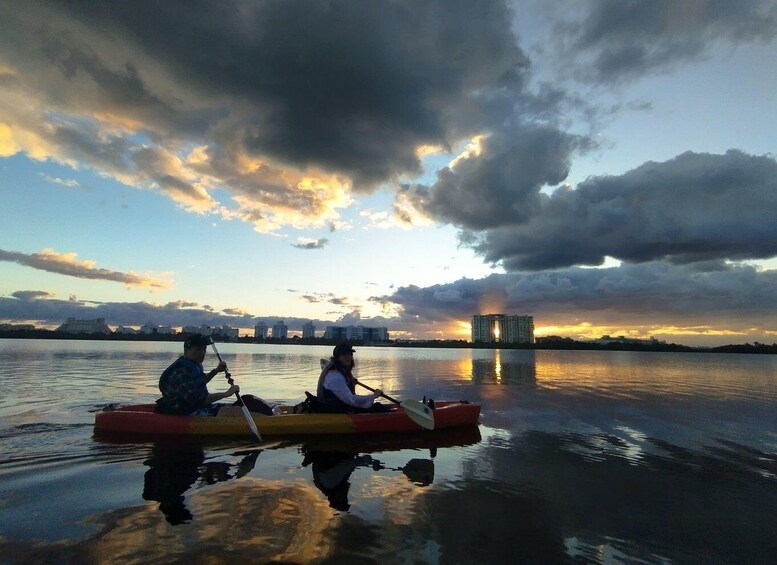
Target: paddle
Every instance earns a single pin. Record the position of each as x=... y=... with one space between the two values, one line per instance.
x=246 y=413
x=416 y=411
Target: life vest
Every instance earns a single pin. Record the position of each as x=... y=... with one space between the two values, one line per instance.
x=166 y=374
x=326 y=399
x=177 y=405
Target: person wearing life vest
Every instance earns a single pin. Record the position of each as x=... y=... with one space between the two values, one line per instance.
x=336 y=391
x=184 y=383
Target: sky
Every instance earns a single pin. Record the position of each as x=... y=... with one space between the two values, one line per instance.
x=606 y=166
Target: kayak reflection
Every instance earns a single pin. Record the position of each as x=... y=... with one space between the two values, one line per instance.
x=332 y=471
x=174 y=469
x=333 y=460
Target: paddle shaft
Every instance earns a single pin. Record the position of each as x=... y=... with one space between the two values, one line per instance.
x=246 y=413
x=384 y=395
x=227 y=374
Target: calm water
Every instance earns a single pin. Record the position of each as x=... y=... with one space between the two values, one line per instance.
x=581 y=457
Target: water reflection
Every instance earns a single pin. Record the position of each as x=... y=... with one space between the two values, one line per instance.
x=333 y=460
x=332 y=471
x=506 y=370
x=174 y=469
x=591 y=457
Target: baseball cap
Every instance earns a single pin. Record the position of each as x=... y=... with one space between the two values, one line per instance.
x=341 y=348
x=197 y=340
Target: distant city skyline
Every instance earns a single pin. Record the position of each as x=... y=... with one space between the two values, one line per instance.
x=607 y=166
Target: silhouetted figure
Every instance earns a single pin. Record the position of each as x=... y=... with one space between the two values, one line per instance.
x=173 y=469
x=331 y=471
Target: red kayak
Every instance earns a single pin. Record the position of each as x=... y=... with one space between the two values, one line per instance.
x=141 y=419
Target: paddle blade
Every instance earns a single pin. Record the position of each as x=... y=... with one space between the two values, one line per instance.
x=251 y=423
x=419 y=413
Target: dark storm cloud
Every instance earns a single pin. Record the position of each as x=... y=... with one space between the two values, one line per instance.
x=501 y=185
x=350 y=87
x=619 y=39
x=649 y=293
x=695 y=207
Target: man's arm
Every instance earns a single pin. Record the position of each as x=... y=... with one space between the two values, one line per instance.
x=216 y=396
x=219 y=368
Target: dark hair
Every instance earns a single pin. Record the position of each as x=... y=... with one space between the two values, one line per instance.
x=344 y=369
x=339 y=349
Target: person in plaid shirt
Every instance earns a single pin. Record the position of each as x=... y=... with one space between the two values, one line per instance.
x=184 y=383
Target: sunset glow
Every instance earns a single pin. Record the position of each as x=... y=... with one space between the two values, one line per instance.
x=259 y=180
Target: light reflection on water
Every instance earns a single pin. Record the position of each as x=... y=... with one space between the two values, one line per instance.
x=580 y=456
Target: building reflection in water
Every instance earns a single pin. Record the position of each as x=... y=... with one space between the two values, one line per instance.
x=509 y=367
x=174 y=469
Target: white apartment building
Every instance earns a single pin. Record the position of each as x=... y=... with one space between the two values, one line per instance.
x=309 y=330
x=151 y=328
x=356 y=333
x=230 y=334
x=501 y=328
x=73 y=326
x=260 y=330
x=280 y=330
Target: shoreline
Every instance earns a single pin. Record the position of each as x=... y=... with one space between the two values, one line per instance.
x=544 y=344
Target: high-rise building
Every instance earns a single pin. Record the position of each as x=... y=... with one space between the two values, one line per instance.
x=230 y=334
x=501 y=328
x=152 y=328
x=280 y=330
x=73 y=326
x=309 y=330
x=260 y=330
x=356 y=333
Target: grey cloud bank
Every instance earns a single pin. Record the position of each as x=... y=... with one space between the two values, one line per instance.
x=739 y=298
x=38 y=306
x=696 y=207
x=616 y=40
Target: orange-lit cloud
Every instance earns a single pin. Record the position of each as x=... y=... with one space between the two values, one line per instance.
x=269 y=197
x=8 y=145
x=68 y=264
x=473 y=149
